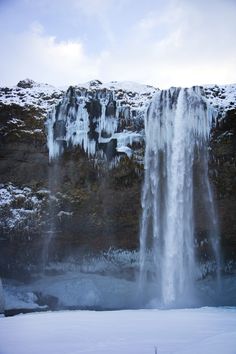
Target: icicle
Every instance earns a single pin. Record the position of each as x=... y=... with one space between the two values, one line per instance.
x=69 y=123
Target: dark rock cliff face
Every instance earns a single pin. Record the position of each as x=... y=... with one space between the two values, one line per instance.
x=90 y=206
x=223 y=176
x=23 y=170
x=23 y=146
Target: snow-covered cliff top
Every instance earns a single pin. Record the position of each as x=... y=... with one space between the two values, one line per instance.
x=119 y=85
x=109 y=112
x=28 y=93
x=222 y=97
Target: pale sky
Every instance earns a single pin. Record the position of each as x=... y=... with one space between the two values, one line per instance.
x=158 y=42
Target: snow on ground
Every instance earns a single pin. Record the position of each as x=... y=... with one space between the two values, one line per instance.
x=21 y=300
x=106 y=290
x=195 y=331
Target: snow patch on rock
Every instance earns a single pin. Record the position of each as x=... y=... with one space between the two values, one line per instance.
x=18 y=207
x=222 y=97
x=28 y=93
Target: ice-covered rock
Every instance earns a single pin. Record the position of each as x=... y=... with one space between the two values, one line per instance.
x=94 y=115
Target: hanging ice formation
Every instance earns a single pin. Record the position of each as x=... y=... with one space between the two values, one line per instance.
x=92 y=120
x=177 y=129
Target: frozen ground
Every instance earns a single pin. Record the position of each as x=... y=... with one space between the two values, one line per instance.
x=195 y=331
x=106 y=284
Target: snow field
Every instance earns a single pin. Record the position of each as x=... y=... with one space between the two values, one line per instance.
x=195 y=331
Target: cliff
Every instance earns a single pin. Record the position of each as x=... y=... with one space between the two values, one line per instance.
x=82 y=191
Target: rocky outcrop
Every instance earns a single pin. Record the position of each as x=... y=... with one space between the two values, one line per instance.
x=88 y=200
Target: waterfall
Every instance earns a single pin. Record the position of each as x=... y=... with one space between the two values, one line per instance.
x=177 y=128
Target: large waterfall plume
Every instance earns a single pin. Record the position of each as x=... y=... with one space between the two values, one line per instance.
x=177 y=131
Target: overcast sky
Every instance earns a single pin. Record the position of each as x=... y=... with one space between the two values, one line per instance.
x=158 y=42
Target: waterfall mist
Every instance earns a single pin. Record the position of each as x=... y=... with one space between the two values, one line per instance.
x=177 y=129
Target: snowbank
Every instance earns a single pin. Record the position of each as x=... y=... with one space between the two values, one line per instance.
x=205 y=330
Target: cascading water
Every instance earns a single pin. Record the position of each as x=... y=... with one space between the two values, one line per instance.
x=177 y=127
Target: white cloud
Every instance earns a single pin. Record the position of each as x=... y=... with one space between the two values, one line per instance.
x=187 y=43
x=36 y=27
x=94 y=7
x=43 y=58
